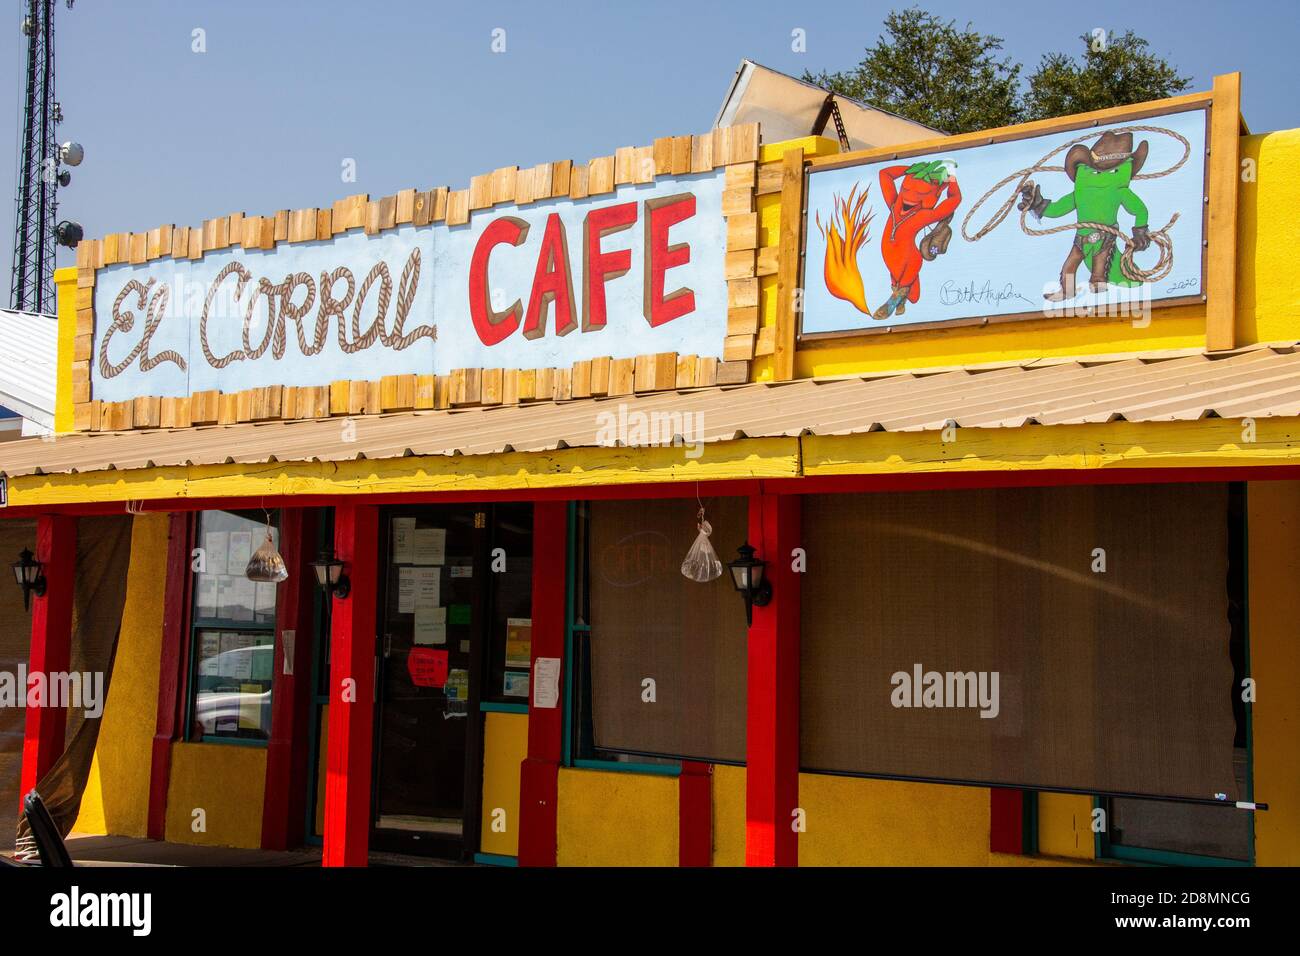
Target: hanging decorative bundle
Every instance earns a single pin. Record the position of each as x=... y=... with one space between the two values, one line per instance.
x=266 y=564
x=702 y=563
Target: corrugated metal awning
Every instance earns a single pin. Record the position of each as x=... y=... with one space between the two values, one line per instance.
x=28 y=349
x=1257 y=382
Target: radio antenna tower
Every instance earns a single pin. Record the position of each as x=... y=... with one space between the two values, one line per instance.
x=40 y=169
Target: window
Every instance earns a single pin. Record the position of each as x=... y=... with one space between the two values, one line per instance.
x=658 y=660
x=974 y=637
x=1158 y=831
x=233 y=630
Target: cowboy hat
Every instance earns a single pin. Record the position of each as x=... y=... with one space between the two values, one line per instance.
x=1109 y=151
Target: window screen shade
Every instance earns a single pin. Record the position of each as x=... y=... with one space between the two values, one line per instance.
x=1114 y=682
x=649 y=621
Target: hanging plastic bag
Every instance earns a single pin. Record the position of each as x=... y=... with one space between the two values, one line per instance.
x=702 y=564
x=266 y=564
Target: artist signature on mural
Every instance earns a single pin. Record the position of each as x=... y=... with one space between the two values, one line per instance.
x=1190 y=284
x=954 y=293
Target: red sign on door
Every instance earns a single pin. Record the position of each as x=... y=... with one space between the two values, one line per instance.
x=428 y=667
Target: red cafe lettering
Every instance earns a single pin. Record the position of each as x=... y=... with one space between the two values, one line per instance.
x=552 y=289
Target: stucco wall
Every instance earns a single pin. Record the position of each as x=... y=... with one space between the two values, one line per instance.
x=116 y=799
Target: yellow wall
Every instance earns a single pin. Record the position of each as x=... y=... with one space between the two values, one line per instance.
x=857 y=822
x=612 y=818
x=1065 y=826
x=728 y=816
x=116 y=799
x=65 y=297
x=505 y=745
x=1274 y=561
x=227 y=782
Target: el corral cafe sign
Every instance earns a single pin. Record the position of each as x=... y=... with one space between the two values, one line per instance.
x=636 y=271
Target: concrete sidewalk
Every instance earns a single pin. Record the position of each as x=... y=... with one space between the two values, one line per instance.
x=131 y=851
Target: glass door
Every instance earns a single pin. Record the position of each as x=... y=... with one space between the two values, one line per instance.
x=432 y=616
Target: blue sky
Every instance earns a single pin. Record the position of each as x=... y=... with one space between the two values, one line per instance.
x=413 y=93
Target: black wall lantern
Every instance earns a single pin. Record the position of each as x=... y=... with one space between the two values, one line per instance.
x=748 y=578
x=330 y=576
x=30 y=577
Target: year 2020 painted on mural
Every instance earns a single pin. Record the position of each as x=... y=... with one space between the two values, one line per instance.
x=635 y=272
x=1075 y=220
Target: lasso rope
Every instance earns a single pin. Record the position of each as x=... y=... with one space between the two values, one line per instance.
x=1160 y=237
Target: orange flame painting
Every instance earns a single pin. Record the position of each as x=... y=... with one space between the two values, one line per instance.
x=848 y=230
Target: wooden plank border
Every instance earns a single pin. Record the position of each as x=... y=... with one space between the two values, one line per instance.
x=733 y=149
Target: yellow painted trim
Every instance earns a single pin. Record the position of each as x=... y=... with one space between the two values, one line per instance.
x=1216 y=443
x=1196 y=444
x=65 y=297
x=811 y=146
x=568 y=468
x=1273 y=516
x=505 y=747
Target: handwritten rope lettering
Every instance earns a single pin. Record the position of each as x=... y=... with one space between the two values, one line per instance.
x=157 y=309
x=125 y=322
x=360 y=341
x=406 y=287
x=244 y=276
x=292 y=313
x=280 y=310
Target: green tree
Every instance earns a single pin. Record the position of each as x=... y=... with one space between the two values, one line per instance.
x=1113 y=71
x=929 y=70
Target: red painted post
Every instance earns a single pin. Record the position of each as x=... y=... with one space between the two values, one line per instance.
x=284 y=804
x=171 y=666
x=695 y=814
x=51 y=649
x=1006 y=820
x=772 y=747
x=539 y=778
x=352 y=689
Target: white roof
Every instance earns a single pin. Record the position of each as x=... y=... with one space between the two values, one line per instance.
x=788 y=108
x=29 y=345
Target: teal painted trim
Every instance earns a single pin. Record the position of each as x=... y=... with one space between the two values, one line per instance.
x=232 y=741
x=585 y=628
x=492 y=707
x=661 y=769
x=566 y=744
x=495 y=859
x=1137 y=854
x=1098 y=844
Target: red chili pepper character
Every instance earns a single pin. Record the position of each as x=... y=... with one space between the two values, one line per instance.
x=919 y=202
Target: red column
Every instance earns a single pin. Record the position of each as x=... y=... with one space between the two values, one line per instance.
x=352 y=689
x=539 y=773
x=56 y=549
x=694 y=815
x=284 y=804
x=172 y=662
x=772 y=747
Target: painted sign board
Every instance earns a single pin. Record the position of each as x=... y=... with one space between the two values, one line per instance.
x=1104 y=219
x=633 y=272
